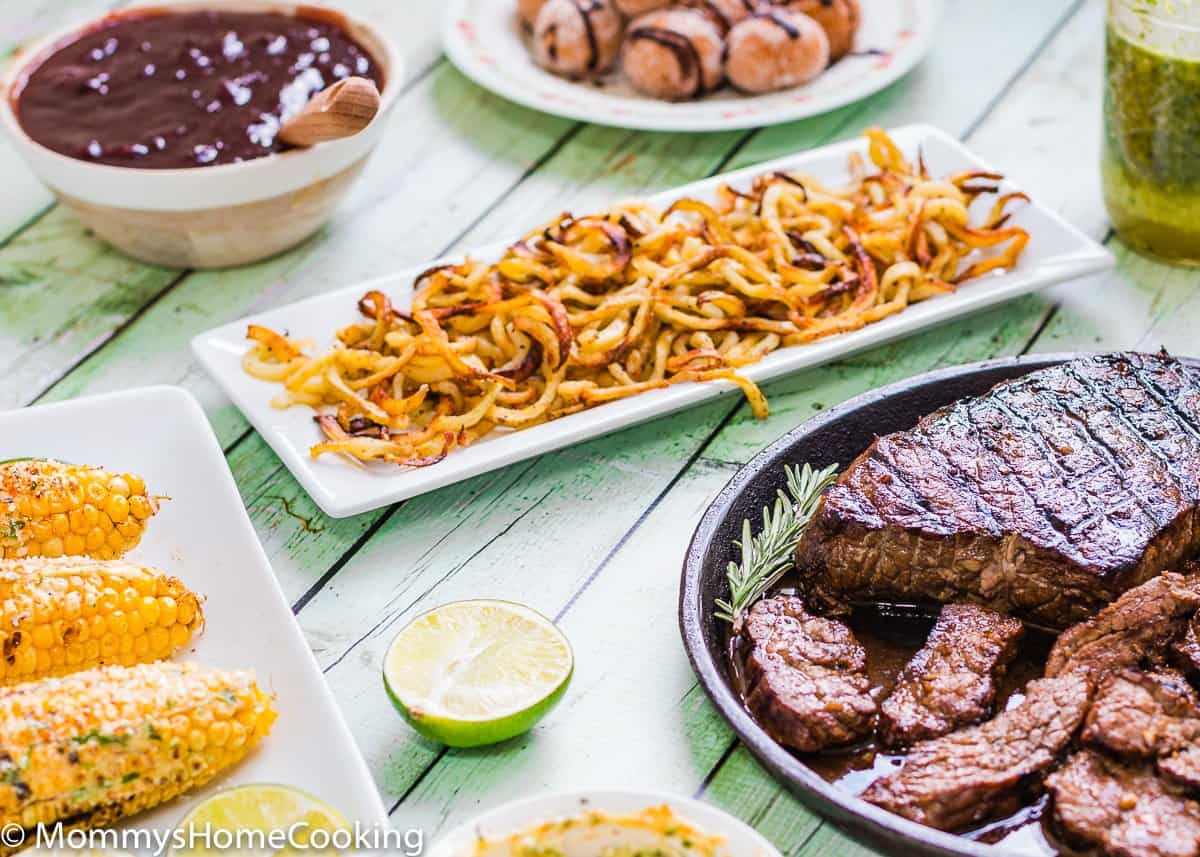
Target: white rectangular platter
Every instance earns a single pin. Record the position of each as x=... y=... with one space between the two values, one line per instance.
x=203 y=536
x=1056 y=252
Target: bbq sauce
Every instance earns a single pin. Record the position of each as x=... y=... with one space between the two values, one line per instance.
x=891 y=635
x=159 y=90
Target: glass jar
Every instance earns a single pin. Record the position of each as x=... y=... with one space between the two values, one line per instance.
x=1151 y=160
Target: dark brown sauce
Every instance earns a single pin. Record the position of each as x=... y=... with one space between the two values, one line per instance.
x=159 y=90
x=891 y=635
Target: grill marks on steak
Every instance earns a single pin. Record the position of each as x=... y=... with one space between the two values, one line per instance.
x=1149 y=715
x=951 y=681
x=971 y=775
x=1043 y=498
x=1123 y=809
x=1137 y=627
x=806 y=677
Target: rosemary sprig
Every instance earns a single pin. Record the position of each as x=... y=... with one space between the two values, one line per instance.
x=766 y=557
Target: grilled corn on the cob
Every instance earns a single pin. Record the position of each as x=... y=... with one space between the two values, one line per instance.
x=96 y=746
x=48 y=508
x=63 y=615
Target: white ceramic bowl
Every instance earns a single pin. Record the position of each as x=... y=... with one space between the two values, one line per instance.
x=205 y=217
x=507 y=829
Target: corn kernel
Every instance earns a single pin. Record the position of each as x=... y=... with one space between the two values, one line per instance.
x=168 y=611
x=43 y=636
x=117 y=508
x=149 y=609
x=160 y=640
x=140 y=508
x=218 y=733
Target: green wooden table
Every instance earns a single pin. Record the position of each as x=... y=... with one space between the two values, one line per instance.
x=592 y=535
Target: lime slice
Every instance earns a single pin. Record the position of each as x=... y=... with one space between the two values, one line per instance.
x=477 y=672
x=263 y=808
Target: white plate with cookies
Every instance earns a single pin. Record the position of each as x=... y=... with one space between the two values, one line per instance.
x=687 y=65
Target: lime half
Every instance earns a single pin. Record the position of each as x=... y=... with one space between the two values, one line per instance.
x=293 y=816
x=477 y=672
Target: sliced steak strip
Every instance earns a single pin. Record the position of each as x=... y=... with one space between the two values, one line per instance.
x=1185 y=653
x=969 y=776
x=1139 y=626
x=1044 y=498
x=1123 y=810
x=806 y=677
x=951 y=681
x=1182 y=766
x=1144 y=714
x=1152 y=715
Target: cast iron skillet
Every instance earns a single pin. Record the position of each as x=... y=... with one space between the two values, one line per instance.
x=839 y=435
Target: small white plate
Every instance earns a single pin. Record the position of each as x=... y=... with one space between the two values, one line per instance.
x=1056 y=252
x=740 y=840
x=203 y=536
x=485 y=39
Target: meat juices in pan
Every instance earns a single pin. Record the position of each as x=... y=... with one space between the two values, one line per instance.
x=951 y=681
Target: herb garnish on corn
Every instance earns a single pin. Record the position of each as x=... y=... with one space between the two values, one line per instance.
x=50 y=508
x=64 y=615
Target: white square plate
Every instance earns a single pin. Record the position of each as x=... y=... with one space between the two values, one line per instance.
x=203 y=536
x=1056 y=252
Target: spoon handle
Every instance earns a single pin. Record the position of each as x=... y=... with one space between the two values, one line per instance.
x=340 y=110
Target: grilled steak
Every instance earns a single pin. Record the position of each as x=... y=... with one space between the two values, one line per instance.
x=806 y=677
x=1150 y=715
x=1044 y=498
x=951 y=681
x=1123 y=809
x=966 y=777
x=1139 y=626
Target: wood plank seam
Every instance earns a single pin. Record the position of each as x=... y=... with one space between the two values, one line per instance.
x=1045 y=42
x=112 y=334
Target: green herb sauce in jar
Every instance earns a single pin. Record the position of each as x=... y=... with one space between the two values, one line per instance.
x=1151 y=161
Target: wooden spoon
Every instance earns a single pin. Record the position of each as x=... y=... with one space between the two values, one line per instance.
x=340 y=110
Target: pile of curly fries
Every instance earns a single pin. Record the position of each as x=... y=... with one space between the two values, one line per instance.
x=592 y=309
